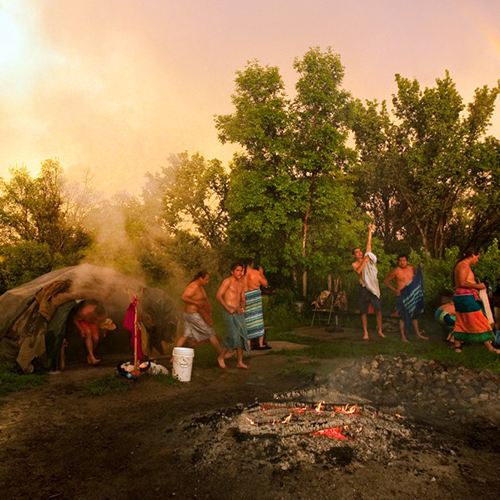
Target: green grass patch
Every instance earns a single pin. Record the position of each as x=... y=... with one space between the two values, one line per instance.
x=301 y=370
x=167 y=380
x=111 y=384
x=473 y=356
x=13 y=382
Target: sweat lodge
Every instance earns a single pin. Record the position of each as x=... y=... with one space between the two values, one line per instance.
x=37 y=316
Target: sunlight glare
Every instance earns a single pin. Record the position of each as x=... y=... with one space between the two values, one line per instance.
x=10 y=39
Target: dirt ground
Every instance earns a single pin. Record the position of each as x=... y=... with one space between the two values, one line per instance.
x=56 y=443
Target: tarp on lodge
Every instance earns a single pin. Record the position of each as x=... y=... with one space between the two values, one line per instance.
x=33 y=316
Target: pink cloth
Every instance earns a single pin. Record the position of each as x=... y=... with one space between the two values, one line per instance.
x=129 y=324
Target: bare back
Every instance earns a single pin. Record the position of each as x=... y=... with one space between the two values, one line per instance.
x=253 y=280
x=464 y=277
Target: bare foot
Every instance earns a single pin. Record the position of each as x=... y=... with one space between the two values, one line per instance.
x=405 y=340
x=366 y=337
x=229 y=354
x=93 y=361
x=422 y=337
x=243 y=366
x=381 y=335
x=221 y=363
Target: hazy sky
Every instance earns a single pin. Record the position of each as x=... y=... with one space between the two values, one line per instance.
x=119 y=85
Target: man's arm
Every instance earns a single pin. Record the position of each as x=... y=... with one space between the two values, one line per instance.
x=371 y=229
x=187 y=296
x=463 y=273
x=388 y=279
x=262 y=278
x=243 y=301
x=358 y=267
x=220 y=296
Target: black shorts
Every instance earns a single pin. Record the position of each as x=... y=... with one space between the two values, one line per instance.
x=366 y=298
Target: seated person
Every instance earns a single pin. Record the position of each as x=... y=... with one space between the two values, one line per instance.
x=445 y=314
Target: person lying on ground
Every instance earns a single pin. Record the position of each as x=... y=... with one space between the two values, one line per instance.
x=231 y=296
x=409 y=291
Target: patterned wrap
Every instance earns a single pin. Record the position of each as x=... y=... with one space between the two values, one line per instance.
x=253 y=314
x=471 y=322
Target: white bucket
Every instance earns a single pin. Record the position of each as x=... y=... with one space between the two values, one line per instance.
x=183 y=363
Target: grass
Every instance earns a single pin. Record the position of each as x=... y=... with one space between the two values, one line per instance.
x=300 y=370
x=111 y=384
x=167 y=380
x=473 y=356
x=13 y=382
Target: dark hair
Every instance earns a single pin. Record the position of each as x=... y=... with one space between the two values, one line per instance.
x=234 y=265
x=469 y=253
x=401 y=255
x=199 y=274
x=100 y=311
x=248 y=262
x=354 y=250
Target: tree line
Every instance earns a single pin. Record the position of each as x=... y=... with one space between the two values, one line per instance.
x=311 y=170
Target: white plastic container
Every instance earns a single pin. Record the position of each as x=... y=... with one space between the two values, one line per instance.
x=183 y=363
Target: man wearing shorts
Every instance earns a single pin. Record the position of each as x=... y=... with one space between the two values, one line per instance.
x=369 y=291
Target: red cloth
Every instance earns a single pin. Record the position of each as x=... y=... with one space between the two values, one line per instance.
x=129 y=324
x=205 y=311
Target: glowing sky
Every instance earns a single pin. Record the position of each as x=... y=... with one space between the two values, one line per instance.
x=119 y=85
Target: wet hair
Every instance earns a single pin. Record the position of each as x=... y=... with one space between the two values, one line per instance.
x=100 y=311
x=234 y=265
x=401 y=255
x=199 y=274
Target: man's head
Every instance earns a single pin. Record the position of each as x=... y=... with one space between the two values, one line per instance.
x=358 y=253
x=202 y=277
x=249 y=263
x=402 y=260
x=100 y=312
x=472 y=254
x=237 y=270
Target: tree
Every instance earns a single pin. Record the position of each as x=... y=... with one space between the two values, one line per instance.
x=288 y=200
x=428 y=156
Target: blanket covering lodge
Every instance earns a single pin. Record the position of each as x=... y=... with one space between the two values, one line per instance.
x=471 y=323
x=410 y=303
x=253 y=314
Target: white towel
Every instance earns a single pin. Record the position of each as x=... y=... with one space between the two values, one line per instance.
x=369 y=275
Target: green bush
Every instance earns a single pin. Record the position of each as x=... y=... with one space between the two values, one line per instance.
x=281 y=310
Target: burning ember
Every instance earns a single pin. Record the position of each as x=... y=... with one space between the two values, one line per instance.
x=292 y=433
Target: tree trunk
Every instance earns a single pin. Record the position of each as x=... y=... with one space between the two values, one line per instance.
x=305 y=220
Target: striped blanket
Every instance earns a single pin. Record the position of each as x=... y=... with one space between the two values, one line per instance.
x=410 y=303
x=253 y=314
x=471 y=323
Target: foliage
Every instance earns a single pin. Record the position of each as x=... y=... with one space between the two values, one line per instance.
x=427 y=168
x=167 y=380
x=41 y=226
x=288 y=200
x=281 y=310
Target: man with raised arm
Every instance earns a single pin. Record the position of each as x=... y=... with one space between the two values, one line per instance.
x=369 y=291
x=471 y=323
x=232 y=298
x=252 y=281
x=409 y=291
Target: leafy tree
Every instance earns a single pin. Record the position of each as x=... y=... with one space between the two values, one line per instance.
x=288 y=200
x=429 y=158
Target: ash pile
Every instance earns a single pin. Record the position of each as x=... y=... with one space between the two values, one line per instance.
x=423 y=386
x=282 y=436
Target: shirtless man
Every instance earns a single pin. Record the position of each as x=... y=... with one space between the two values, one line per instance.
x=252 y=282
x=369 y=292
x=403 y=274
x=471 y=322
x=87 y=319
x=197 y=314
x=232 y=298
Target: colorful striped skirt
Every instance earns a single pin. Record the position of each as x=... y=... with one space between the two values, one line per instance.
x=471 y=323
x=253 y=314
